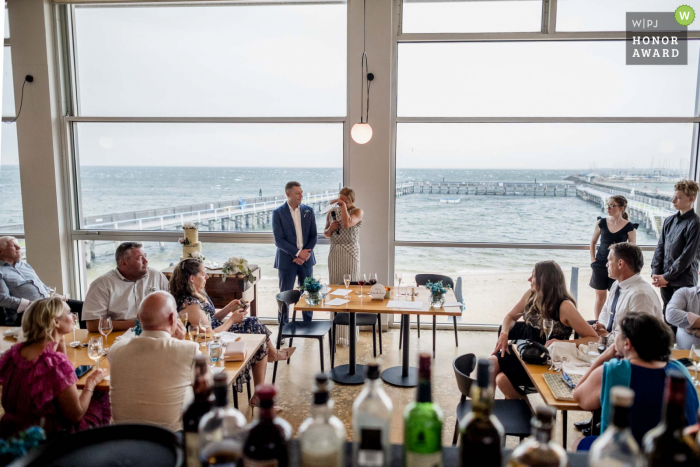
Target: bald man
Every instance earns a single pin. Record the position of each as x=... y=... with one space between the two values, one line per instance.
x=150 y=375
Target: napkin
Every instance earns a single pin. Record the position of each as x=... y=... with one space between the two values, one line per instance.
x=447 y=304
x=14 y=332
x=569 y=353
x=342 y=292
x=129 y=334
x=406 y=305
x=336 y=302
x=227 y=337
x=235 y=351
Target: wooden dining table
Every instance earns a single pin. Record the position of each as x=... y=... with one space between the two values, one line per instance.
x=352 y=373
x=537 y=372
x=79 y=356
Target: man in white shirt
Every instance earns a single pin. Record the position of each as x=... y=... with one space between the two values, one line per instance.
x=629 y=292
x=150 y=375
x=118 y=293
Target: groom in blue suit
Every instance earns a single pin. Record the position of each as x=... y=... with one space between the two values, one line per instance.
x=294 y=229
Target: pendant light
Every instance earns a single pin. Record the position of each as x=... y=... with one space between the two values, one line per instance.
x=361 y=132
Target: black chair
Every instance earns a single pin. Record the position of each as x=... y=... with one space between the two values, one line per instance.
x=302 y=330
x=361 y=319
x=514 y=414
x=422 y=279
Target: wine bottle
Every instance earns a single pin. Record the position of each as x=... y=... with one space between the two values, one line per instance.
x=480 y=432
x=194 y=412
x=423 y=424
x=616 y=446
x=322 y=436
x=538 y=450
x=371 y=421
x=221 y=431
x=268 y=435
x=665 y=444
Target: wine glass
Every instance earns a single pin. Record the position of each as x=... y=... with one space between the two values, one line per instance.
x=397 y=278
x=346 y=281
x=95 y=350
x=204 y=324
x=183 y=318
x=216 y=350
x=362 y=281
x=76 y=325
x=602 y=344
x=105 y=327
x=548 y=326
x=192 y=330
x=695 y=357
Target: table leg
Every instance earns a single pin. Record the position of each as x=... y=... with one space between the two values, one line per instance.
x=351 y=373
x=564 y=426
x=405 y=376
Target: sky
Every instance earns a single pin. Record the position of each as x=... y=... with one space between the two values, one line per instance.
x=258 y=61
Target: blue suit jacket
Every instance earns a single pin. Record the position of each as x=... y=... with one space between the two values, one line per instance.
x=286 y=235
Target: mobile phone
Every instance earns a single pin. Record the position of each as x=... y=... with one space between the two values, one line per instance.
x=685 y=362
x=81 y=370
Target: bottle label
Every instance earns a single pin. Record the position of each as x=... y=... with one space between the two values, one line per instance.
x=370 y=453
x=248 y=462
x=414 y=459
x=367 y=458
x=192 y=449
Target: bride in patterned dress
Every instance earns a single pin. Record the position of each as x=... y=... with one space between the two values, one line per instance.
x=343 y=224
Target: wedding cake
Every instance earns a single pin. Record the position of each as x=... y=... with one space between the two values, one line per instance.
x=191 y=246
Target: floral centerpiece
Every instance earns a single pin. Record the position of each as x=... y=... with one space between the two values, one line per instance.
x=20 y=445
x=189 y=225
x=137 y=327
x=312 y=288
x=437 y=293
x=235 y=266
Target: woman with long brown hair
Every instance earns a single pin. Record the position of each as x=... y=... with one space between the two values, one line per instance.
x=615 y=228
x=547 y=299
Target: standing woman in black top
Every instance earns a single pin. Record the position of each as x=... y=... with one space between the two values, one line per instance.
x=615 y=228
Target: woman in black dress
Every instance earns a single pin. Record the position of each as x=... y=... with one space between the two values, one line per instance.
x=547 y=298
x=615 y=228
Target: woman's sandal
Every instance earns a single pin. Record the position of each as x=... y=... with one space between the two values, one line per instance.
x=282 y=354
x=255 y=401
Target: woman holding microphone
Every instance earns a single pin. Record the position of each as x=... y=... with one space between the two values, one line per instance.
x=343 y=224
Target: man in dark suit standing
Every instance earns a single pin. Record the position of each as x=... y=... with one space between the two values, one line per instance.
x=294 y=229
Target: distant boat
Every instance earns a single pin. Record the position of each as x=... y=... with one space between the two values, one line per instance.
x=450 y=200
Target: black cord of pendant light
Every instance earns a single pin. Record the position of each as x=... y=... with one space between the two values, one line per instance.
x=364 y=68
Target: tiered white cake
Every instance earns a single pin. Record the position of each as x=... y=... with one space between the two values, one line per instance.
x=192 y=247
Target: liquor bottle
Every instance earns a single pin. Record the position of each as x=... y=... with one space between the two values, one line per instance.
x=221 y=431
x=268 y=436
x=194 y=412
x=371 y=421
x=616 y=446
x=538 y=450
x=665 y=445
x=423 y=424
x=480 y=431
x=322 y=436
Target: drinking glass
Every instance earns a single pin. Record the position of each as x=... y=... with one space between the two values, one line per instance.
x=205 y=324
x=346 y=281
x=373 y=279
x=602 y=344
x=192 y=330
x=695 y=357
x=76 y=325
x=592 y=350
x=362 y=282
x=95 y=350
x=183 y=318
x=216 y=350
x=105 y=327
x=397 y=278
x=548 y=325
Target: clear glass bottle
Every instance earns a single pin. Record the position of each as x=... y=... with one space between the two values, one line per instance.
x=616 y=446
x=480 y=432
x=665 y=445
x=371 y=422
x=322 y=436
x=538 y=450
x=201 y=405
x=221 y=431
x=423 y=424
x=267 y=443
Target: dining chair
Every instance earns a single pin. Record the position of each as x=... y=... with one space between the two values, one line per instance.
x=301 y=329
x=422 y=279
x=514 y=414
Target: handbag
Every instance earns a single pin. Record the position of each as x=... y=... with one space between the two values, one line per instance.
x=533 y=352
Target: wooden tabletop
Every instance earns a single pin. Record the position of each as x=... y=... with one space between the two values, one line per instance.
x=79 y=356
x=536 y=372
x=365 y=304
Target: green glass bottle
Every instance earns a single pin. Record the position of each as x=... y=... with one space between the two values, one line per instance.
x=423 y=424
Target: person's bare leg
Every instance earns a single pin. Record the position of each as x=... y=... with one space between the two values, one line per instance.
x=272 y=351
x=600 y=297
x=259 y=372
x=507 y=387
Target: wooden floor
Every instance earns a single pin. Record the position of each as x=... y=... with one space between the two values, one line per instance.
x=294 y=381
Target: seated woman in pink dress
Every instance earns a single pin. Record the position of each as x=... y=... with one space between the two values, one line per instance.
x=38 y=380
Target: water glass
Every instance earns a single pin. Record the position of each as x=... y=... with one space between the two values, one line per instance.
x=192 y=330
x=397 y=280
x=76 y=325
x=592 y=350
x=204 y=324
x=216 y=351
x=105 y=327
x=95 y=350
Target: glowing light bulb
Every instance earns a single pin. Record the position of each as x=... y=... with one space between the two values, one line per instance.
x=361 y=133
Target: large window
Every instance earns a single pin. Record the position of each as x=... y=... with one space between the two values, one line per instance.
x=203 y=113
x=518 y=143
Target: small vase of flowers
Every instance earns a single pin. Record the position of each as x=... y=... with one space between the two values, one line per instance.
x=235 y=266
x=437 y=293
x=312 y=291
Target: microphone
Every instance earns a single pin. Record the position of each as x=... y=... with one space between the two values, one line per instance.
x=334 y=219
